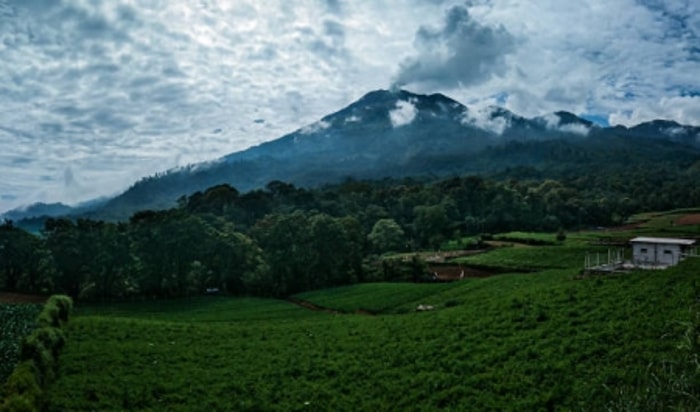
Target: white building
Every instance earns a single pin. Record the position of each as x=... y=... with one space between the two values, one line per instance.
x=660 y=252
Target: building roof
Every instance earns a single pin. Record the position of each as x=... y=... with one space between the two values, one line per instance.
x=663 y=240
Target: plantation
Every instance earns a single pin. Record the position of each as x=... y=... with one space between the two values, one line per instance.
x=519 y=341
x=17 y=321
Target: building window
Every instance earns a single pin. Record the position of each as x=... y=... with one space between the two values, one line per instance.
x=643 y=250
x=667 y=252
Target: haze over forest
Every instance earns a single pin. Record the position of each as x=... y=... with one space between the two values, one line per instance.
x=96 y=95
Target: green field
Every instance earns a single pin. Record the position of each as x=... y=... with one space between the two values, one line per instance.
x=374 y=297
x=522 y=341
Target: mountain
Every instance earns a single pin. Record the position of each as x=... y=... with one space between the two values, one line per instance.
x=44 y=210
x=37 y=209
x=399 y=133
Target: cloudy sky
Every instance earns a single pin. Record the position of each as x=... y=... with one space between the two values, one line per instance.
x=95 y=94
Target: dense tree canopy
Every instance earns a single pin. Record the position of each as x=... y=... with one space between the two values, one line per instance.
x=283 y=239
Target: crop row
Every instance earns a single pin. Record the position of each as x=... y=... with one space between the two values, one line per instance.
x=17 y=320
x=514 y=342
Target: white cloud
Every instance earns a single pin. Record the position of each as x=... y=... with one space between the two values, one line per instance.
x=404 y=113
x=575 y=128
x=315 y=127
x=682 y=109
x=483 y=118
x=553 y=122
x=674 y=131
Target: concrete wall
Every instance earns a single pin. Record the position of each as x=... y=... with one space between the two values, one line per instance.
x=656 y=254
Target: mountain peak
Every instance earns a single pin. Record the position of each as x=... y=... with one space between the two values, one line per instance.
x=566 y=118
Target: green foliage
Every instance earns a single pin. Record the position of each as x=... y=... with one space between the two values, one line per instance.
x=374 y=297
x=17 y=320
x=282 y=240
x=203 y=309
x=23 y=261
x=38 y=358
x=23 y=383
x=508 y=342
x=387 y=236
x=671 y=384
x=56 y=311
x=305 y=252
x=19 y=403
x=35 y=349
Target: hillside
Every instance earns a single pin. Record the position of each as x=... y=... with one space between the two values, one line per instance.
x=400 y=134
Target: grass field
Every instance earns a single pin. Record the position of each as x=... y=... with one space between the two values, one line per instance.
x=374 y=297
x=520 y=341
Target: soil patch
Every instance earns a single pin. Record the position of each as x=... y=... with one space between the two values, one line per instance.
x=448 y=273
x=9 y=297
x=312 y=306
x=438 y=257
x=627 y=227
x=690 y=219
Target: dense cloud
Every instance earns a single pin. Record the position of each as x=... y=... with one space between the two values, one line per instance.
x=461 y=53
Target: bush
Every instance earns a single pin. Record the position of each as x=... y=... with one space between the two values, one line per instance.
x=56 y=311
x=22 y=390
x=18 y=403
x=39 y=358
x=561 y=235
x=64 y=304
x=16 y=322
x=23 y=379
x=53 y=339
x=33 y=349
x=49 y=317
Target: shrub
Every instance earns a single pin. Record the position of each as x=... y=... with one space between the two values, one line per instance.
x=64 y=304
x=39 y=358
x=18 y=403
x=561 y=235
x=33 y=349
x=56 y=311
x=52 y=338
x=22 y=390
x=49 y=317
x=16 y=322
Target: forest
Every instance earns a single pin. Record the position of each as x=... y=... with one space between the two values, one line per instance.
x=282 y=239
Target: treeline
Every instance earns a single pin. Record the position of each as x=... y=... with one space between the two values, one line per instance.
x=283 y=239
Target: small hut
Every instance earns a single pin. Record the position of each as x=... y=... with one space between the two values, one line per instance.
x=657 y=252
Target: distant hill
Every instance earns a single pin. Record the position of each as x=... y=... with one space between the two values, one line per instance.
x=32 y=217
x=37 y=209
x=398 y=134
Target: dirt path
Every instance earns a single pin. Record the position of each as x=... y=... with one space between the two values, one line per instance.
x=312 y=306
x=10 y=297
x=457 y=272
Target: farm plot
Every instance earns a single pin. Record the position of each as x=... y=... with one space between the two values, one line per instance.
x=515 y=342
x=689 y=219
x=17 y=321
x=372 y=297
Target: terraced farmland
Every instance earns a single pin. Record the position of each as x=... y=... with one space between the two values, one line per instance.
x=516 y=341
